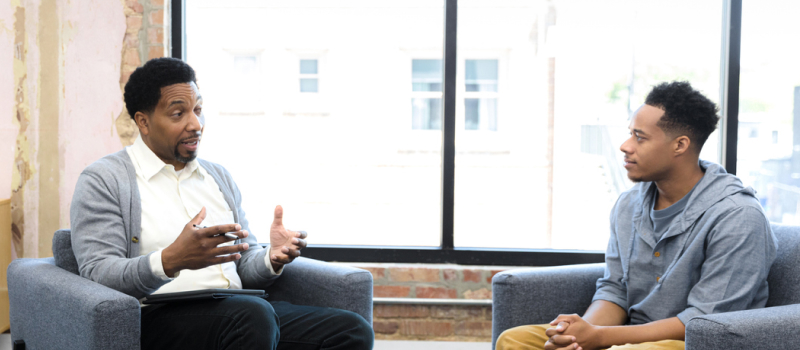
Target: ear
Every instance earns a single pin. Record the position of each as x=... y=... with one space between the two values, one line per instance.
x=142 y=122
x=681 y=145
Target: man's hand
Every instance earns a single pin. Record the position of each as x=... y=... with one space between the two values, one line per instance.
x=285 y=245
x=558 y=340
x=197 y=247
x=586 y=336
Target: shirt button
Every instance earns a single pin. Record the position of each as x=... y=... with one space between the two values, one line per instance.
x=135 y=239
x=657 y=254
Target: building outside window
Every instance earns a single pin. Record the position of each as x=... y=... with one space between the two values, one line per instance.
x=309 y=75
x=426 y=100
x=480 y=97
x=544 y=91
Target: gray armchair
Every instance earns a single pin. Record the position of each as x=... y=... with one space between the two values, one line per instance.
x=527 y=296
x=52 y=307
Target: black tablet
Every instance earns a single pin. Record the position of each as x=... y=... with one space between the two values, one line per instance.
x=201 y=294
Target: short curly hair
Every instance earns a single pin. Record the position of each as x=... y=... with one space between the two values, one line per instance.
x=143 y=89
x=686 y=111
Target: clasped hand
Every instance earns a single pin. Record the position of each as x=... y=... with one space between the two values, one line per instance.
x=572 y=332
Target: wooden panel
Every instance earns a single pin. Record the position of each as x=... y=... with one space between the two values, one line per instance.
x=5 y=260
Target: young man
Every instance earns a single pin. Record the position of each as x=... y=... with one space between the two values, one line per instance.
x=152 y=218
x=687 y=240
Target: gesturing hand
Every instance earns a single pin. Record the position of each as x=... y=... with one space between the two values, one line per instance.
x=285 y=245
x=197 y=247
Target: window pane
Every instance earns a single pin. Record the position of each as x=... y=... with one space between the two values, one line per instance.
x=346 y=165
x=768 y=156
x=480 y=114
x=481 y=75
x=426 y=75
x=245 y=65
x=308 y=66
x=558 y=81
x=426 y=114
x=308 y=85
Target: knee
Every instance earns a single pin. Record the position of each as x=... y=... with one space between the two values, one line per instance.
x=512 y=338
x=359 y=331
x=256 y=315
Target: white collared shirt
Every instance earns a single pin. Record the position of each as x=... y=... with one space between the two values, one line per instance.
x=170 y=200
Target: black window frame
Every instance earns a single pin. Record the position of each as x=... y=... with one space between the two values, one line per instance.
x=446 y=252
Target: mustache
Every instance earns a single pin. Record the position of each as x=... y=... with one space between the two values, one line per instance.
x=198 y=135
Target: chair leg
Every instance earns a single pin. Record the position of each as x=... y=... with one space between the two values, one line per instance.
x=19 y=344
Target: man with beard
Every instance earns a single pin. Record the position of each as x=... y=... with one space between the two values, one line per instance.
x=153 y=218
x=687 y=240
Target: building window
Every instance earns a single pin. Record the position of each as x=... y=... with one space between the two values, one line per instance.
x=309 y=75
x=426 y=99
x=480 y=97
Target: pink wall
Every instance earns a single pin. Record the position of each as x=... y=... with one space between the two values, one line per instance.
x=7 y=129
x=92 y=37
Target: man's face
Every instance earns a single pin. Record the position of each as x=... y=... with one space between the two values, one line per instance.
x=648 y=151
x=174 y=128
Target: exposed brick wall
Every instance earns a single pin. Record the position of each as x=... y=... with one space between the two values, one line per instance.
x=145 y=39
x=432 y=322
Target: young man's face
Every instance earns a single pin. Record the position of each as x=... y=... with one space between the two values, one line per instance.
x=174 y=128
x=648 y=151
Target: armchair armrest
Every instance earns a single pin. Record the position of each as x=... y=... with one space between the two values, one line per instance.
x=536 y=295
x=52 y=308
x=769 y=328
x=317 y=283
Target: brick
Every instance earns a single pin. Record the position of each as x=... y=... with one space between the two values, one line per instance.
x=391 y=291
x=472 y=275
x=377 y=272
x=126 y=74
x=157 y=2
x=436 y=292
x=135 y=6
x=447 y=311
x=429 y=328
x=157 y=17
x=450 y=275
x=483 y=293
x=155 y=52
x=405 y=274
x=474 y=328
x=385 y=327
x=131 y=58
x=131 y=40
x=155 y=35
x=491 y=274
x=133 y=24
x=406 y=311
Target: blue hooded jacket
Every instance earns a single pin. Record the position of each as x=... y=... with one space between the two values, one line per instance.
x=714 y=258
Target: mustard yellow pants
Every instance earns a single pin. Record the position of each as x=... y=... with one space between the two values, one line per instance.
x=533 y=338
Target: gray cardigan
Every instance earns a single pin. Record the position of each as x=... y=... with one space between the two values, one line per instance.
x=106 y=214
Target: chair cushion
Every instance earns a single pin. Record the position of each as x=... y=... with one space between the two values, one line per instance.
x=784 y=278
x=62 y=251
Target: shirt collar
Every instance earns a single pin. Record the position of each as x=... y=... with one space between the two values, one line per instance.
x=148 y=164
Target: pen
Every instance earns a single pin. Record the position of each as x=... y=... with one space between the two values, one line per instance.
x=227 y=234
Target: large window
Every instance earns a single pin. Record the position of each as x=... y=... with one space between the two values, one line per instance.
x=503 y=133
x=769 y=109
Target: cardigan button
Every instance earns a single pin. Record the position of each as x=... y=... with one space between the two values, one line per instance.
x=135 y=239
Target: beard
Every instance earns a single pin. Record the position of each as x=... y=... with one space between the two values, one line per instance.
x=183 y=159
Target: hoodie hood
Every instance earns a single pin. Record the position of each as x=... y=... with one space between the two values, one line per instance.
x=716 y=185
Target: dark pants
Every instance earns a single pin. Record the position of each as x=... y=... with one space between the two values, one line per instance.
x=248 y=322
